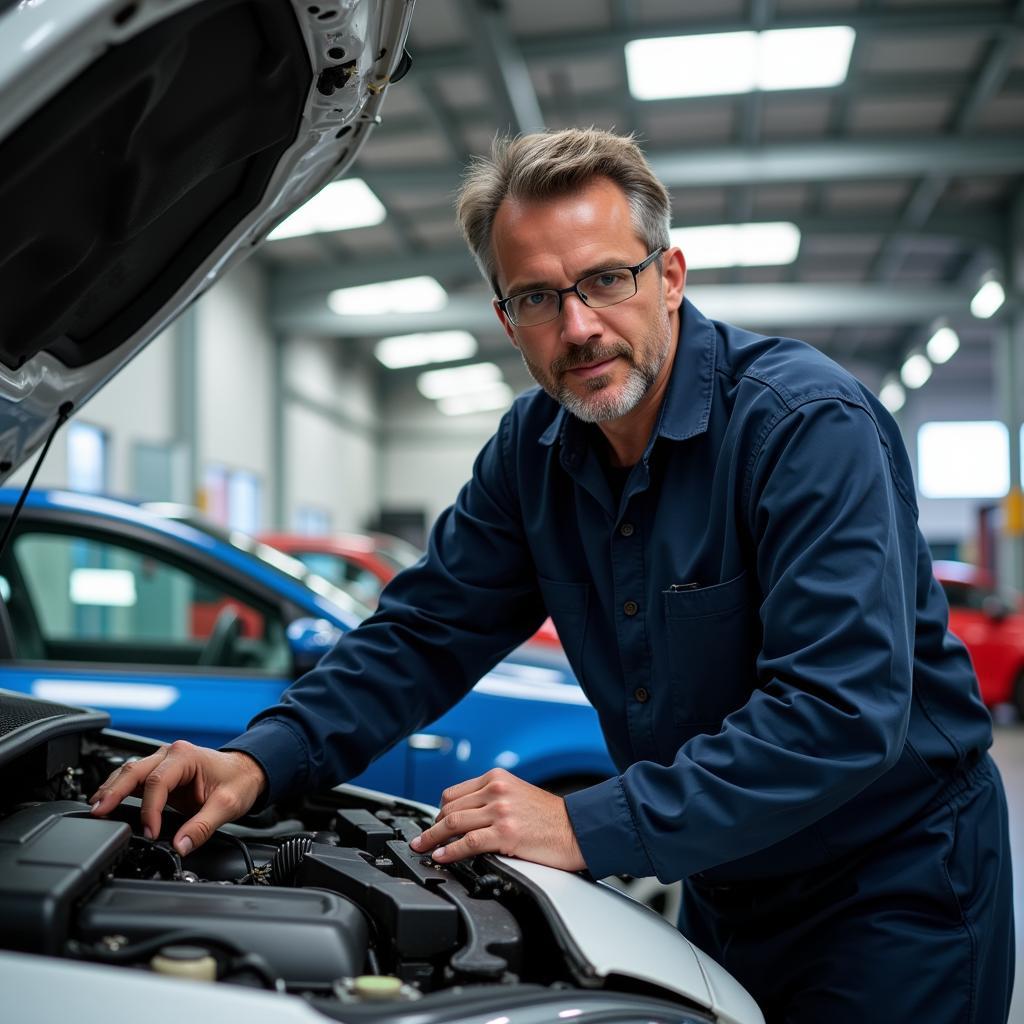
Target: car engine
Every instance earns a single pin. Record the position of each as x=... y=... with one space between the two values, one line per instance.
x=322 y=898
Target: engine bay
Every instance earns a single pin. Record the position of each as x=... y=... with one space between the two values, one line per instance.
x=322 y=898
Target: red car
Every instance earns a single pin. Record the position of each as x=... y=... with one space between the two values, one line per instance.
x=362 y=564
x=991 y=625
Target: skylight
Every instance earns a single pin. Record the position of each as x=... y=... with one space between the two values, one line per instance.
x=419 y=349
x=738 y=245
x=407 y=295
x=338 y=206
x=737 y=62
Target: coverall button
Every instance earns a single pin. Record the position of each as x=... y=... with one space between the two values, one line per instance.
x=641 y=695
x=626 y=529
x=631 y=607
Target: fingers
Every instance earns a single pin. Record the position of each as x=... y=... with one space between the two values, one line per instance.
x=124 y=781
x=449 y=826
x=467 y=788
x=224 y=805
x=176 y=769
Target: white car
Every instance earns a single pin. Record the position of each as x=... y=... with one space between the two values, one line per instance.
x=146 y=148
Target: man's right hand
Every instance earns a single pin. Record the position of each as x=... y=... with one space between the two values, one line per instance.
x=214 y=786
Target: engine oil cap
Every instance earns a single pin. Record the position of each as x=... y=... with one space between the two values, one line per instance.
x=185 y=962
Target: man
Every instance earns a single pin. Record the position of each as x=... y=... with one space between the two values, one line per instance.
x=723 y=527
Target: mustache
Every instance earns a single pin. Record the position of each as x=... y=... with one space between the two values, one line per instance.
x=589 y=354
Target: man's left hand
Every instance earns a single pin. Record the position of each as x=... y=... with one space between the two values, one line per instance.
x=498 y=813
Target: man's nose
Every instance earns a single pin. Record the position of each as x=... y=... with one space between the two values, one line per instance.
x=580 y=323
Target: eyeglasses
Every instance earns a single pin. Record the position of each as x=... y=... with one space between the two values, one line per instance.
x=605 y=288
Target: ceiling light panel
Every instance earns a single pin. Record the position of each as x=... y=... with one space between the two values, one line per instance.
x=738 y=245
x=338 y=206
x=419 y=349
x=497 y=397
x=738 y=62
x=407 y=295
x=459 y=380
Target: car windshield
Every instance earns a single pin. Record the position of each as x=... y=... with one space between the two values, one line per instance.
x=268 y=555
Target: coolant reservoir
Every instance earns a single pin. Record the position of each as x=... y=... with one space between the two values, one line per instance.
x=185 y=962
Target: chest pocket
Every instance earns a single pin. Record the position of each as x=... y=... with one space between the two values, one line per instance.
x=713 y=635
x=568 y=605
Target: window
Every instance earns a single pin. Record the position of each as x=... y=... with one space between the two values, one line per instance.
x=87 y=458
x=233 y=498
x=963 y=595
x=97 y=600
x=969 y=459
x=312 y=521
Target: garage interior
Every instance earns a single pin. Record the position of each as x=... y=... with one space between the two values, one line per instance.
x=891 y=199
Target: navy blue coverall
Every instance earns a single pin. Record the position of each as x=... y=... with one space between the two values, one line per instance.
x=755 y=619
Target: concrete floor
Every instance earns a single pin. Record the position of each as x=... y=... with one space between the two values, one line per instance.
x=1008 y=752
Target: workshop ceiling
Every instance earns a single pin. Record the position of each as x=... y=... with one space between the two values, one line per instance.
x=903 y=180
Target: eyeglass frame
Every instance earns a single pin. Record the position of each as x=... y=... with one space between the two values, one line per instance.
x=636 y=269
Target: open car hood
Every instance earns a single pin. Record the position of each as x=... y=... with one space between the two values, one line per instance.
x=149 y=146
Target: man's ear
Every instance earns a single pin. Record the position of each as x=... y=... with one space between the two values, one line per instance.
x=506 y=325
x=673 y=274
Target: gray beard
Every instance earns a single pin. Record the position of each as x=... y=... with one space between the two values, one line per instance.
x=596 y=406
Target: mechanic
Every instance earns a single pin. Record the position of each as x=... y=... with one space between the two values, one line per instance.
x=723 y=528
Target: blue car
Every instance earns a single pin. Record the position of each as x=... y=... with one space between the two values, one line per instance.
x=180 y=633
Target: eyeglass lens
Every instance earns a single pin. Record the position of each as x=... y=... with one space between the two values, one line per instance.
x=603 y=289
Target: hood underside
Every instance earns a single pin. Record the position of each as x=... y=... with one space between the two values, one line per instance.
x=128 y=177
x=146 y=148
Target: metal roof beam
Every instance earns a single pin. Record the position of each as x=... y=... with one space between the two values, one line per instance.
x=288 y=283
x=584 y=43
x=502 y=62
x=759 y=306
x=830 y=160
x=868 y=84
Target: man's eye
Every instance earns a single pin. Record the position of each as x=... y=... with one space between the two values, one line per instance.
x=608 y=279
x=535 y=298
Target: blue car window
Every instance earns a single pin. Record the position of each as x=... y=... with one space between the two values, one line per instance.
x=93 y=599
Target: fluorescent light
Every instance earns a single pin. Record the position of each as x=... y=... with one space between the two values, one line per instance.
x=892 y=395
x=459 y=380
x=990 y=296
x=109 y=588
x=407 y=295
x=338 y=206
x=943 y=345
x=737 y=62
x=498 y=396
x=419 y=349
x=738 y=245
x=916 y=370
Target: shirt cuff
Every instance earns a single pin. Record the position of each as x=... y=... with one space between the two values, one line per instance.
x=603 y=822
x=282 y=754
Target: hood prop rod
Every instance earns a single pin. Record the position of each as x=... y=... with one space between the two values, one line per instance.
x=63 y=413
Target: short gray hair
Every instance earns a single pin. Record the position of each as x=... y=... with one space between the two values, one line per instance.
x=545 y=165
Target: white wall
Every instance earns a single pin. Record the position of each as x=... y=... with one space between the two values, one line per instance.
x=234 y=379
x=330 y=433
x=137 y=405
x=425 y=457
